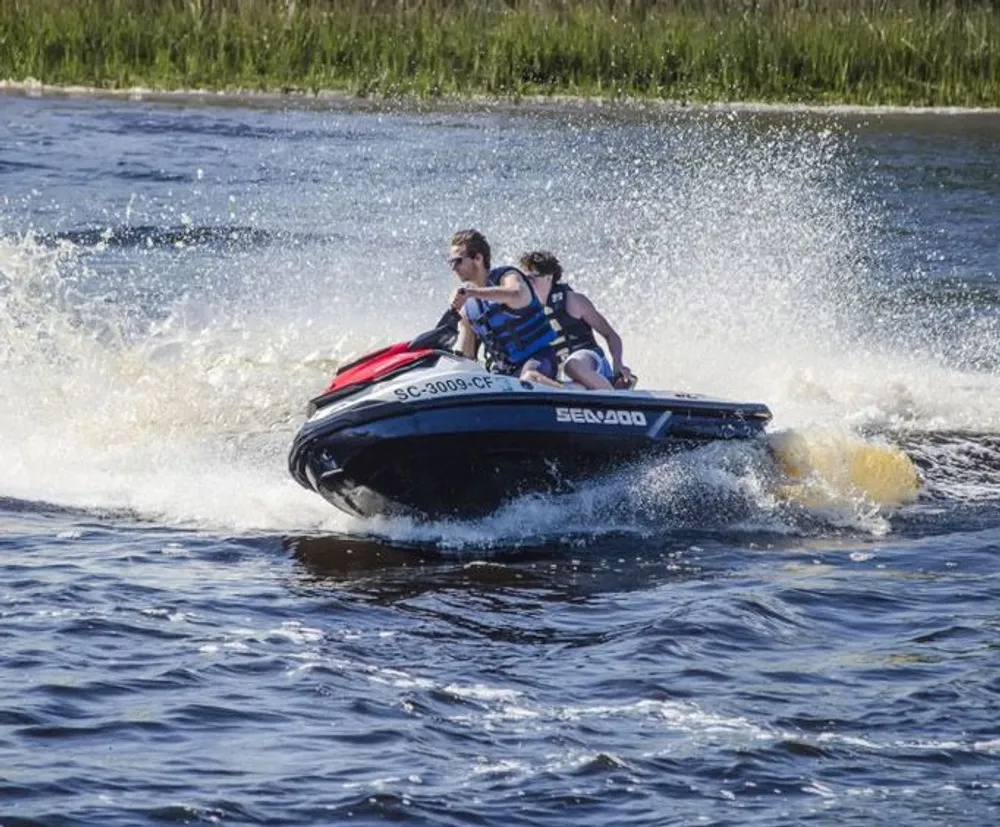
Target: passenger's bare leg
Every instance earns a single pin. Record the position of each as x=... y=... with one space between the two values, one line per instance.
x=583 y=371
x=537 y=376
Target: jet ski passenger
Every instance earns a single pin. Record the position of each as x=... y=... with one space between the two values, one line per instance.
x=576 y=319
x=499 y=308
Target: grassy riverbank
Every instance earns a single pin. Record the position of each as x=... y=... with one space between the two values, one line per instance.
x=917 y=52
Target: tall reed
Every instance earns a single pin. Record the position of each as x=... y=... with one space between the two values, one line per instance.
x=940 y=52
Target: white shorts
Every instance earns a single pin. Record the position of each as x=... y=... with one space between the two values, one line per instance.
x=597 y=360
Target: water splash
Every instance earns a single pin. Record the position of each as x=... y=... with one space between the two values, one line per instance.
x=741 y=258
x=184 y=417
x=830 y=472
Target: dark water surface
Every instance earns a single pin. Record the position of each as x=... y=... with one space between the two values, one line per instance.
x=188 y=637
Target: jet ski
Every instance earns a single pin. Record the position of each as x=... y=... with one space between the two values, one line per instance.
x=415 y=429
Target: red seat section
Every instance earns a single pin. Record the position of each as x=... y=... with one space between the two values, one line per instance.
x=376 y=365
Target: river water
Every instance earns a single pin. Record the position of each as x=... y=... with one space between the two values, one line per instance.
x=188 y=636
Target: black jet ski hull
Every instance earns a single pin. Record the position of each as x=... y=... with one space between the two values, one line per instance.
x=461 y=457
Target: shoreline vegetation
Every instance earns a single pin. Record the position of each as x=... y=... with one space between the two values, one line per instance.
x=921 y=53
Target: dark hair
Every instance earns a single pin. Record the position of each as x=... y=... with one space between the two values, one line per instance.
x=543 y=263
x=473 y=243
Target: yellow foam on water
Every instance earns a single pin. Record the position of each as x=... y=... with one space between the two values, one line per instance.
x=822 y=469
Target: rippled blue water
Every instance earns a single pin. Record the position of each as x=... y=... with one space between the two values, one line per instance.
x=189 y=637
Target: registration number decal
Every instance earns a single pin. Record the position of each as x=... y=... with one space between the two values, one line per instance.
x=441 y=387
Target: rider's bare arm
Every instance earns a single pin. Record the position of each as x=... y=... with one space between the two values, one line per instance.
x=580 y=307
x=512 y=291
x=466 y=341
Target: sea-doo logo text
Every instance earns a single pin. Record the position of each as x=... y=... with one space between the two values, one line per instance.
x=586 y=415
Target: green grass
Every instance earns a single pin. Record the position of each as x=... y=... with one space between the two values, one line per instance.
x=922 y=52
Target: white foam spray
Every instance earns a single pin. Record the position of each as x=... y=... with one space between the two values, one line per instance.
x=735 y=261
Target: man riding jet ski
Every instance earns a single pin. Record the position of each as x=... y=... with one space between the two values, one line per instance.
x=418 y=428
x=574 y=317
x=499 y=308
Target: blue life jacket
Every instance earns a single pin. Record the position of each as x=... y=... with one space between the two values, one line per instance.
x=510 y=337
x=574 y=334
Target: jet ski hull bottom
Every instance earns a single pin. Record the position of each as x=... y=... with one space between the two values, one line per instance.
x=418 y=476
x=462 y=458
